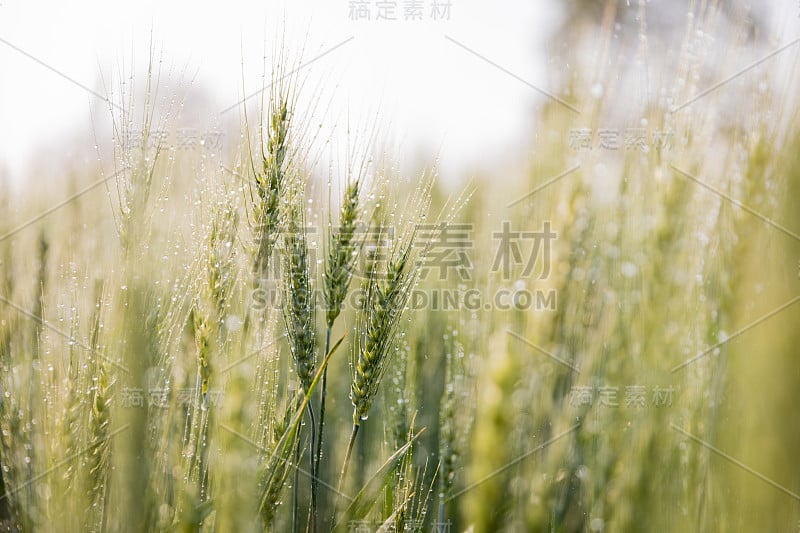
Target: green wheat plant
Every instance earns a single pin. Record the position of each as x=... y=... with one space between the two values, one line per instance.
x=249 y=341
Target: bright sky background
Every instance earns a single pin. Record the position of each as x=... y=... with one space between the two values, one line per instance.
x=438 y=97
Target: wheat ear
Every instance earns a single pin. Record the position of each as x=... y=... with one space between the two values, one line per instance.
x=386 y=299
x=270 y=184
x=300 y=318
x=342 y=253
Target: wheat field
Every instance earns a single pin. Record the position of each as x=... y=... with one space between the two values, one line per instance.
x=242 y=339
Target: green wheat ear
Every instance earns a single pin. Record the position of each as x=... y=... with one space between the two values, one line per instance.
x=342 y=255
x=386 y=300
x=387 y=295
x=299 y=307
x=270 y=184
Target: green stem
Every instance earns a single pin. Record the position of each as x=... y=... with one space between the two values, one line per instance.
x=313 y=517
x=316 y=456
x=347 y=456
x=295 y=491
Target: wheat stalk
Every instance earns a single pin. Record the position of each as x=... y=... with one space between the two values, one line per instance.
x=386 y=300
x=338 y=273
x=387 y=293
x=299 y=315
x=270 y=184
